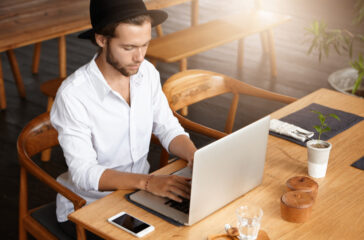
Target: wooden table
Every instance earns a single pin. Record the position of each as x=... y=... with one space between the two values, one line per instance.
x=337 y=214
x=25 y=22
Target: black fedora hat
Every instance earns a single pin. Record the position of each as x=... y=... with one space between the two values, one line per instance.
x=104 y=12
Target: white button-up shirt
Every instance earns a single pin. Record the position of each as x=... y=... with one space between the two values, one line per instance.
x=98 y=130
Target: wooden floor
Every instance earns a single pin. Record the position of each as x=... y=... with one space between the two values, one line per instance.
x=298 y=75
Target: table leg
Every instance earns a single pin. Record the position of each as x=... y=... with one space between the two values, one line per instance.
x=183 y=67
x=16 y=72
x=272 y=54
x=62 y=58
x=2 y=89
x=36 y=58
x=81 y=235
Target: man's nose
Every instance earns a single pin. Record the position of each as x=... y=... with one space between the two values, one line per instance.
x=138 y=55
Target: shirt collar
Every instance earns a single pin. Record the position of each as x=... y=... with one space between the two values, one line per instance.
x=100 y=84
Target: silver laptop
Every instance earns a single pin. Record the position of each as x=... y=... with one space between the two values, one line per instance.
x=222 y=171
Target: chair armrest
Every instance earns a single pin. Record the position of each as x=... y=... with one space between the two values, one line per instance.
x=193 y=126
x=44 y=177
x=237 y=86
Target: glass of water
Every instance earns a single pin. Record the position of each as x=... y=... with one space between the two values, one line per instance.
x=249 y=221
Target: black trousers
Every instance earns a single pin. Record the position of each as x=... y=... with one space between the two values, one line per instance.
x=70 y=228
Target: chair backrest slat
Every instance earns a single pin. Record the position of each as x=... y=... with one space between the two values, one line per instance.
x=38 y=136
x=186 y=89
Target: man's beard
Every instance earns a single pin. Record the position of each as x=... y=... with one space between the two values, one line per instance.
x=111 y=60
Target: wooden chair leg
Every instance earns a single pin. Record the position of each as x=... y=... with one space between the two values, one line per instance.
x=2 y=89
x=23 y=203
x=62 y=58
x=46 y=154
x=50 y=103
x=159 y=30
x=240 y=60
x=264 y=42
x=36 y=58
x=272 y=54
x=183 y=67
x=16 y=72
x=194 y=12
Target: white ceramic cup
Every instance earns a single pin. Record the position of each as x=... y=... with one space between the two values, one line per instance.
x=318 y=158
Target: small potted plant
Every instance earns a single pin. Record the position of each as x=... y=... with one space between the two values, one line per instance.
x=318 y=151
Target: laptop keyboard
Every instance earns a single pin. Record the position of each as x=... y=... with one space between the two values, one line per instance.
x=183 y=206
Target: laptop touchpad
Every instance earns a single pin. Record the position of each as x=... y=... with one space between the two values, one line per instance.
x=184 y=172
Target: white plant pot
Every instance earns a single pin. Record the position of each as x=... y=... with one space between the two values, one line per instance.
x=318 y=158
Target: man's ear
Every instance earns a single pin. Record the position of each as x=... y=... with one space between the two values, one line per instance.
x=100 y=40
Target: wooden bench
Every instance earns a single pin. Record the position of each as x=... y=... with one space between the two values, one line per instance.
x=30 y=22
x=178 y=46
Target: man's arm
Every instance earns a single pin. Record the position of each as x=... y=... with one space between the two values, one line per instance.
x=183 y=147
x=170 y=186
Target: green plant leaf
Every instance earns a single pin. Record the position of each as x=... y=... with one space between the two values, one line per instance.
x=351 y=49
x=326 y=129
x=322 y=119
x=361 y=37
x=320 y=56
x=315 y=27
x=314 y=43
x=359 y=5
x=318 y=128
x=357 y=83
x=334 y=116
x=326 y=48
x=336 y=47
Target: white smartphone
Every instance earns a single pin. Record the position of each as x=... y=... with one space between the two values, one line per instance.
x=131 y=224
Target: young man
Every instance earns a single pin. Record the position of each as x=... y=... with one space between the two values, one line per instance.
x=107 y=110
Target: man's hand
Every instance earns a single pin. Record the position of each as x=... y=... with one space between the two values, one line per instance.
x=170 y=186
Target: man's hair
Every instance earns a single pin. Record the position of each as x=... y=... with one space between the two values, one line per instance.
x=109 y=30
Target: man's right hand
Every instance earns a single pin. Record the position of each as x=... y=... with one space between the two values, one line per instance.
x=171 y=186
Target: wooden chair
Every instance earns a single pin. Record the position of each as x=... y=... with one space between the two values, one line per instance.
x=191 y=86
x=40 y=222
x=49 y=88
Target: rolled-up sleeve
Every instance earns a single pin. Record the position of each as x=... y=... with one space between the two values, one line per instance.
x=165 y=125
x=69 y=117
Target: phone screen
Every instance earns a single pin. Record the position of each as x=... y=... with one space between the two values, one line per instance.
x=130 y=223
